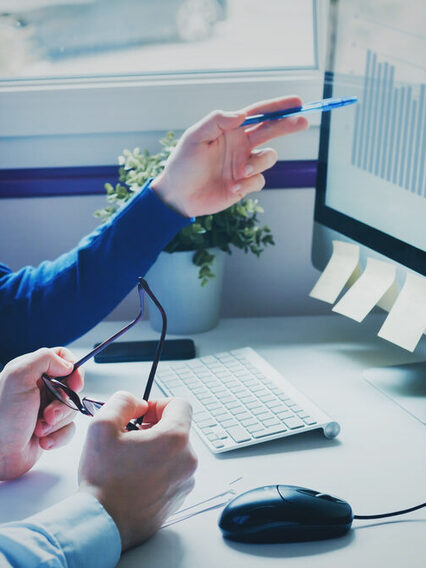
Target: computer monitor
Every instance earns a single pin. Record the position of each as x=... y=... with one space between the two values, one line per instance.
x=371 y=185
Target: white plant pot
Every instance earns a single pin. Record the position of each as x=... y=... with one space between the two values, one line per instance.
x=190 y=307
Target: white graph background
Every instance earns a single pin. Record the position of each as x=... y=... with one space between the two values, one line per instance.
x=377 y=149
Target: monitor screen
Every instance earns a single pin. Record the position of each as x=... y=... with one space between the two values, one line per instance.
x=371 y=182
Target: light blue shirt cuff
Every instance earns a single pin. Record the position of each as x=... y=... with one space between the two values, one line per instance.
x=74 y=533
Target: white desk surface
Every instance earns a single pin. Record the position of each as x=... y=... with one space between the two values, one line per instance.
x=377 y=463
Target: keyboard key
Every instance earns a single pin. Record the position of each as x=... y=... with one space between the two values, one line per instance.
x=257 y=427
x=241 y=373
x=205 y=397
x=249 y=421
x=294 y=422
x=261 y=392
x=239 y=391
x=265 y=416
x=220 y=433
x=273 y=404
x=227 y=399
x=268 y=398
x=243 y=416
x=259 y=410
x=227 y=423
x=238 y=409
x=238 y=434
x=309 y=421
x=284 y=397
x=205 y=423
x=233 y=405
x=279 y=408
x=271 y=422
x=284 y=414
x=224 y=418
x=240 y=413
x=213 y=405
x=210 y=436
x=222 y=413
x=269 y=431
x=246 y=398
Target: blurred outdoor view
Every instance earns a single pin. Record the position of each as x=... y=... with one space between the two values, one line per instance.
x=68 y=38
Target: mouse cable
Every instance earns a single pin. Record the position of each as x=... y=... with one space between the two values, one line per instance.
x=394 y=514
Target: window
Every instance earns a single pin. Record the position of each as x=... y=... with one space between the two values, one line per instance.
x=108 y=74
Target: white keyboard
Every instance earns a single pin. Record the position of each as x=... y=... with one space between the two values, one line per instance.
x=238 y=400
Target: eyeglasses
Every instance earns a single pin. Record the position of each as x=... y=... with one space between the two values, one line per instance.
x=60 y=391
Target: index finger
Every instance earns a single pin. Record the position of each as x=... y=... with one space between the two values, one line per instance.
x=266 y=131
x=272 y=105
x=169 y=414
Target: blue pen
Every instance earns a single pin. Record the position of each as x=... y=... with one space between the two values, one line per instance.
x=317 y=106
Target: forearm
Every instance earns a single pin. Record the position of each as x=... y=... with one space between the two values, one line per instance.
x=60 y=300
x=76 y=532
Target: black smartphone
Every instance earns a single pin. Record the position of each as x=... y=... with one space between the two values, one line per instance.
x=131 y=351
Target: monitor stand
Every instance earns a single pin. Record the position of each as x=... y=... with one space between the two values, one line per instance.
x=404 y=384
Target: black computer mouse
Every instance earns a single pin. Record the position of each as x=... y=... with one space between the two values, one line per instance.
x=284 y=513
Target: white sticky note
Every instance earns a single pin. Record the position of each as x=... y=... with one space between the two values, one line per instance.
x=343 y=263
x=389 y=298
x=406 y=321
x=367 y=291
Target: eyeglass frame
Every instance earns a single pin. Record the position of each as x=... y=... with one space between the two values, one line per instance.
x=87 y=405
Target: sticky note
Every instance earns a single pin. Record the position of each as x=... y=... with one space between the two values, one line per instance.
x=371 y=286
x=406 y=322
x=344 y=262
x=388 y=300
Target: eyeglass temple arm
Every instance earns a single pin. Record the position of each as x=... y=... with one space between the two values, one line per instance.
x=157 y=356
x=160 y=343
x=105 y=343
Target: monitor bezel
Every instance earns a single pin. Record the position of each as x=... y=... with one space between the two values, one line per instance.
x=397 y=250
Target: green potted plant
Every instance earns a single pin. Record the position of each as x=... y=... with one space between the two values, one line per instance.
x=193 y=262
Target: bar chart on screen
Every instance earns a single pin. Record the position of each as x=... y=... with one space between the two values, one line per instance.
x=389 y=136
x=378 y=146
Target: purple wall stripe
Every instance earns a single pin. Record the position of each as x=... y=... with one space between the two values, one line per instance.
x=90 y=180
x=292 y=173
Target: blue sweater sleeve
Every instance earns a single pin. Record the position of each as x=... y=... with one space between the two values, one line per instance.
x=58 y=301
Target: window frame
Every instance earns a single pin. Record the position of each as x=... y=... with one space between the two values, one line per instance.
x=60 y=118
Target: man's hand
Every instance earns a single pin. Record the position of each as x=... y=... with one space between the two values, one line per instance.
x=140 y=477
x=27 y=423
x=216 y=162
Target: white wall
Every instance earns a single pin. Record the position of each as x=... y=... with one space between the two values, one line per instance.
x=278 y=283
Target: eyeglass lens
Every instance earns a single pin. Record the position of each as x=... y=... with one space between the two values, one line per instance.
x=60 y=391
x=91 y=406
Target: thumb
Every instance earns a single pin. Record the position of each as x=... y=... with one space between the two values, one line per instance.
x=49 y=362
x=215 y=124
x=26 y=370
x=120 y=409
